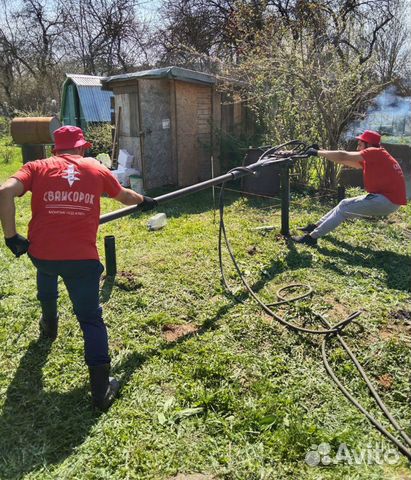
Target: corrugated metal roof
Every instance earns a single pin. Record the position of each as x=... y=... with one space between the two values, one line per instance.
x=85 y=80
x=177 y=73
x=95 y=103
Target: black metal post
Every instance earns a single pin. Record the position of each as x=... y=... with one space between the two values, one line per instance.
x=110 y=254
x=32 y=152
x=285 y=200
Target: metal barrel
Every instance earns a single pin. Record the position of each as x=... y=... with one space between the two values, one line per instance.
x=34 y=130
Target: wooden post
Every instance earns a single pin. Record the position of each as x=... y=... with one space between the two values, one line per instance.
x=114 y=150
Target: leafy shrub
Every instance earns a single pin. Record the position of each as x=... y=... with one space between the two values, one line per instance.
x=36 y=112
x=99 y=135
x=6 y=143
x=233 y=147
x=4 y=126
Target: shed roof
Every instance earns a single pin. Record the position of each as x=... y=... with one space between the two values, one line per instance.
x=85 y=80
x=95 y=102
x=176 y=73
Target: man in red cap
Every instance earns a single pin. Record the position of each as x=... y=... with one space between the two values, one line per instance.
x=383 y=180
x=66 y=190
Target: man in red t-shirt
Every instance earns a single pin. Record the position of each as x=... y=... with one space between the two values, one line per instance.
x=65 y=204
x=383 y=180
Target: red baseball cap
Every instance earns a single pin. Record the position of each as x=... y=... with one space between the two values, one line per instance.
x=69 y=137
x=371 y=137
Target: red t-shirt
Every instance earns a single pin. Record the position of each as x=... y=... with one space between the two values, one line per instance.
x=382 y=174
x=65 y=205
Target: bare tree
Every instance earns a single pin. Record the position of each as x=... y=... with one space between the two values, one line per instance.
x=105 y=35
x=30 y=43
x=393 y=48
x=43 y=28
x=196 y=31
x=42 y=39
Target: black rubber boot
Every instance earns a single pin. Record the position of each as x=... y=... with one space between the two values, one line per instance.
x=49 y=320
x=309 y=228
x=104 y=388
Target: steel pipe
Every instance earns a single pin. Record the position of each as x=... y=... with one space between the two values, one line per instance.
x=232 y=175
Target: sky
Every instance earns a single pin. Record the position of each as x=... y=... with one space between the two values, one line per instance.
x=149 y=8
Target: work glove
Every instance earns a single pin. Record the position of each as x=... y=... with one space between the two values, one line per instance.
x=148 y=203
x=17 y=244
x=312 y=151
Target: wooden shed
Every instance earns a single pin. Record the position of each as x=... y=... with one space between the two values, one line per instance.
x=171 y=119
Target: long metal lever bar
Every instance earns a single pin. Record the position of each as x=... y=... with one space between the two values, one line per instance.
x=232 y=175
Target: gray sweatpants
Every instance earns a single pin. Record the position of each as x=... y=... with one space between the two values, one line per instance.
x=364 y=206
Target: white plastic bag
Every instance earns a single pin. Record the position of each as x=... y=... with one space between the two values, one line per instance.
x=125 y=159
x=123 y=175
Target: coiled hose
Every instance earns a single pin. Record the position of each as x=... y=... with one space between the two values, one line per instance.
x=328 y=331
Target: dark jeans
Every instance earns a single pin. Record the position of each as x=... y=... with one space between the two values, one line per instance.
x=82 y=279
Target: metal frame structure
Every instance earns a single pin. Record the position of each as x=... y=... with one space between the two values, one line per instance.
x=270 y=155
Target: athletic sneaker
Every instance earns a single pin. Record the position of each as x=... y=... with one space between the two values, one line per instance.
x=309 y=228
x=306 y=240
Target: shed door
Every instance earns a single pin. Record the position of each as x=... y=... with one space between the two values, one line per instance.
x=127 y=117
x=156 y=123
x=193 y=115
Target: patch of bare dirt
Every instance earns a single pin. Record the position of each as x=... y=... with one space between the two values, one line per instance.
x=403 y=476
x=127 y=281
x=386 y=381
x=340 y=312
x=396 y=333
x=267 y=318
x=173 y=332
x=400 y=325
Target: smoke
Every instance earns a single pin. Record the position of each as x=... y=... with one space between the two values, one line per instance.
x=389 y=114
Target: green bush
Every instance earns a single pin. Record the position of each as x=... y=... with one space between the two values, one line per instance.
x=7 y=150
x=100 y=136
x=7 y=153
x=4 y=126
x=233 y=147
x=35 y=112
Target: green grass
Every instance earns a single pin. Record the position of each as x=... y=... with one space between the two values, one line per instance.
x=243 y=397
